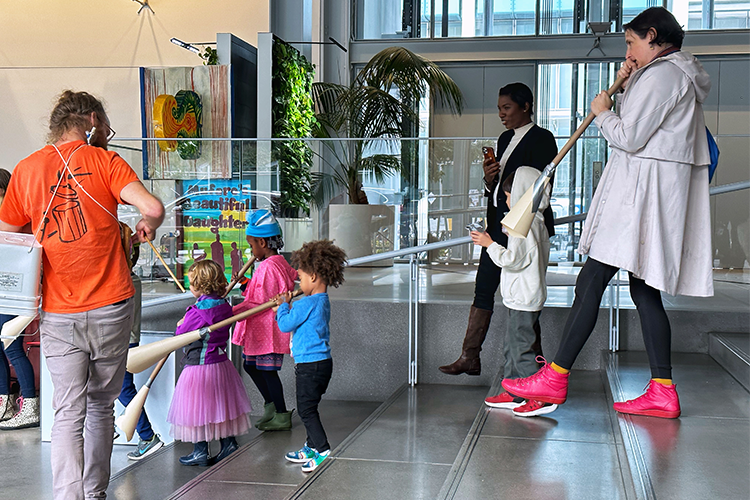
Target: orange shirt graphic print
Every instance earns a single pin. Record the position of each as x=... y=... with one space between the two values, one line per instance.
x=70 y=223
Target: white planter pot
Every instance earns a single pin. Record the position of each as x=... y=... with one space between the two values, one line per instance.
x=297 y=231
x=354 y=228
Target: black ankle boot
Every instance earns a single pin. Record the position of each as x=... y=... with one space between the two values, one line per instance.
x=199 y=456
x=228 y=446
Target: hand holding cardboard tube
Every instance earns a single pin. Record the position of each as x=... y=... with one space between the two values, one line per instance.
x=239 y=276
x=143 y=356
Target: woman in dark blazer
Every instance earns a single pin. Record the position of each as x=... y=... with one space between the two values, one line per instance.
x=523 y=144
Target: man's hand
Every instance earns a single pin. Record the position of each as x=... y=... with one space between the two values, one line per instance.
x=151 y=209
x=144 y=232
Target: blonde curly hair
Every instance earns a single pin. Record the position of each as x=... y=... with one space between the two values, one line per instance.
x=207 y=277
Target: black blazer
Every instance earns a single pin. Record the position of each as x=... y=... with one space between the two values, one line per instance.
x=537 y=149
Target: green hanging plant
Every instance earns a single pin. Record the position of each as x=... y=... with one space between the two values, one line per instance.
x=210 y=57
x=293 y=116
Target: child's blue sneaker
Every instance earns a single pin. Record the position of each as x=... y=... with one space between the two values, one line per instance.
x=302 y=456
x=313 y=463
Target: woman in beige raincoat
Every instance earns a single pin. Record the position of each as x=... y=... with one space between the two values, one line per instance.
x=650 y=214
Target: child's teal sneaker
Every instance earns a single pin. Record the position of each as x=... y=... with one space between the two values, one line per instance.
x=302 y=456
x=313 y=463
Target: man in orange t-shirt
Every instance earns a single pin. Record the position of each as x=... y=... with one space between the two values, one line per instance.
x=69 y=191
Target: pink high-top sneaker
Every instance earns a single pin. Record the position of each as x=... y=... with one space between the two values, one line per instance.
x=546 y=385
x=659 y=401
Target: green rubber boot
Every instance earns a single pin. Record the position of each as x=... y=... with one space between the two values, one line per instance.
x=279 y=422
x=269 y=410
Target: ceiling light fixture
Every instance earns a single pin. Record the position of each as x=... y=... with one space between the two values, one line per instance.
x=185 y=45
x=144 y=5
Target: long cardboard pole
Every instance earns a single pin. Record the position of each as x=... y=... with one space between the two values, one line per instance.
x=239 y=276
x=143 y=356
x=518 y=220
x=177 y=282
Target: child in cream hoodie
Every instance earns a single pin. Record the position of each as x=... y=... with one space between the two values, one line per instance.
x=524 y=288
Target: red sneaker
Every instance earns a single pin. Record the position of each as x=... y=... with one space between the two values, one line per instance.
x=534 y=408
x=546 y=385
x=659 y=400
x=504 y=400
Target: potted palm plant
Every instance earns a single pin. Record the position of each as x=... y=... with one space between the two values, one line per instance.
x=376 y=110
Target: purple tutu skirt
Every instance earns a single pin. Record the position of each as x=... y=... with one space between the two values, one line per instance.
x=209 y=403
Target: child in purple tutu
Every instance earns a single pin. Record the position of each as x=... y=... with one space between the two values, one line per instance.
x=209 y=399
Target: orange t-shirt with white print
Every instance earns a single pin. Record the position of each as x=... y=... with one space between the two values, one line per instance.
x=83 y=261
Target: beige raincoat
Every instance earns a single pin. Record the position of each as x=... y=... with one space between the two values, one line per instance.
x=650 y=213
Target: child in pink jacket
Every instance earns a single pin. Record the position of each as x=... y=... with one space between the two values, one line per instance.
x=263 y=344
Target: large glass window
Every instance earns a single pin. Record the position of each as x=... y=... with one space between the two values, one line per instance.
x=711 y=14
x=565 y=92
x=378 y=19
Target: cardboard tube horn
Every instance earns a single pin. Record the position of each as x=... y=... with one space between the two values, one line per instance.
x=128 y=421
x=518 y=221
x=12 y=329
x=143 y=356
x=239 y=276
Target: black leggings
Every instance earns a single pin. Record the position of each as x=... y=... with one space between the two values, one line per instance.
x=590 y=286
x=269 y=385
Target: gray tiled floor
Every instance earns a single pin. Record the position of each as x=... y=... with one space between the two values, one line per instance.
x=407 y=452
x=27 y=472
x=568 y=454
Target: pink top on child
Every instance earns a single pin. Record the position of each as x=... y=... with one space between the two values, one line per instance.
x=259 y=334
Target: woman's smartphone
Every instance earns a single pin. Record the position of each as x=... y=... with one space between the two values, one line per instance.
x=489 y=153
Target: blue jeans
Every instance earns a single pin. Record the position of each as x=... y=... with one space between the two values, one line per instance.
x=20 y=362
x=127 y=393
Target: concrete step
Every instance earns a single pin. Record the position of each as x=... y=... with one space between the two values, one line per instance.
x=573 y=452
x=732 y=352
x=709 y=441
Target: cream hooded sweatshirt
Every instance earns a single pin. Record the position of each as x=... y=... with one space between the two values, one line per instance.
x=523 y=282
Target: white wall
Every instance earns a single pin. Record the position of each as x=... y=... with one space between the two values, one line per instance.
x=47 y=46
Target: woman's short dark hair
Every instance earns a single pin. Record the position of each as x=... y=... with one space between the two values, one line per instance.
x=520 y=94
x=668 y=30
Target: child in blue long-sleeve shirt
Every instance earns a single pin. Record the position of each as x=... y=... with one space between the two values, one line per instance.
x=320 y=264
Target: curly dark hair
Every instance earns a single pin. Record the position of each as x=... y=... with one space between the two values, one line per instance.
x=322 y=258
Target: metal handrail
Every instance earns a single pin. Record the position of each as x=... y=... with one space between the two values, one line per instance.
x=713 y=191
x=729 y=188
